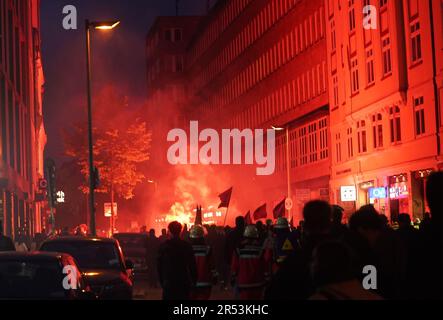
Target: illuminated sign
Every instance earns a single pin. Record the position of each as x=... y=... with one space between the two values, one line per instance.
x=377 y=193
x=108 y=211
x=60 y=197
x=398 y=191
x=348 y=193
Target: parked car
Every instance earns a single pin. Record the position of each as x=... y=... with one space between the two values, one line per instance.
x=134 y=248
x=101 y=262
x=41 y=276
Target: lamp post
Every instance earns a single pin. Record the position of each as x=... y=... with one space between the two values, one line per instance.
x=153 y=183
x=99 y=25
x=288 y=163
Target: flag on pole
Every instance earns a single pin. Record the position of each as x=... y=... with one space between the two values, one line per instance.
x=248 y=219
x=225 y=199
x=198 y=216
x=279 y=210
x=260 y=213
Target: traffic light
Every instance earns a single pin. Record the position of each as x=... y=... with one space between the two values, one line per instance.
x=50 y=177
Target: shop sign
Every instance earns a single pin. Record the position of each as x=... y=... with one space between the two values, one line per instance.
x=398 y=191
x=377 y=193
x=348 y=193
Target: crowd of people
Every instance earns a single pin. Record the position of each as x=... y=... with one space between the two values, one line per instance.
x=321 y=259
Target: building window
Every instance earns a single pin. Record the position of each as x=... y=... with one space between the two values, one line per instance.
x=416 y=42
x=177 y=64
x=361 y=135
x=350 y=144
x=324 y=150
x=173 y=35
x=377 y=130
x=395 y=124
x=333 y=36
x=419 y=116
x=303 y=146
x=383 y=3
x=386 y=53
x=355 y=76
x=335 y=83
x=351 y=16
x=370 y=76
x=338 y=147
x=168 y=35
x=313 y=147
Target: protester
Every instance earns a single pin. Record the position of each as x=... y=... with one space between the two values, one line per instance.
x=206 y=273
x=338 y=229
x=432 y=237
x=164 y=236
x=249 y=269
x=292 y=281
x=233 y=240
x=285 y=241
x=333 y=274
x=176 y=265
x=152 y=246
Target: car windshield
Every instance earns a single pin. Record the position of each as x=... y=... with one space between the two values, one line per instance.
x=129 y=241
x=31 y=280
x=88 y=254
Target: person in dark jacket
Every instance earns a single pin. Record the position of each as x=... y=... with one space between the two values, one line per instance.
x=152 y=245
x=292 y=281
x=338 y=229
x=176 y=265
x=6 y=243
x=432 y=239
x=410 y=237
x=233 y=240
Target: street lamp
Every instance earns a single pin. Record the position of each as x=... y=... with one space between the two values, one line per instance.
x=288 y=164
x=98 y=25
x=154 y=183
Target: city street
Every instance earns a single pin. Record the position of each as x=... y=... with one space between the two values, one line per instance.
x=294 y=145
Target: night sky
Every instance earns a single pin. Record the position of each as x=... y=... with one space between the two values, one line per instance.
x=118 y=57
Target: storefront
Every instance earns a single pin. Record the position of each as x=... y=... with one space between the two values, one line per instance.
x=418 y=186
x=398 y=196
x=363 y=193
x=378 y=197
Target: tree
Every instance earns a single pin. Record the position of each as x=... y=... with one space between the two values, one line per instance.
x=119 y=149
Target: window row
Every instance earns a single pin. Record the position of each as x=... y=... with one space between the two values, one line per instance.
x=375 y=131
x=232 y=10
x=306 y=33
x=307 y=144
x=306 y=87
x=14 y=131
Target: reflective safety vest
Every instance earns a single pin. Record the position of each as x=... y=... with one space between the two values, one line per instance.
x=285 y=244
x=203 y=256
x=249 y=266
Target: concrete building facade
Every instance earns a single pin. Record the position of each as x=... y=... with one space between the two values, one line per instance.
x=385 y=95
x=22 y=132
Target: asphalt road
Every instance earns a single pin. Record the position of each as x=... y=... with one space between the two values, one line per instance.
x=142 y=291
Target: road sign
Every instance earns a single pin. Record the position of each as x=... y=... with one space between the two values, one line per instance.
x=288 y=204
x=42 y=184
x=108 y=211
